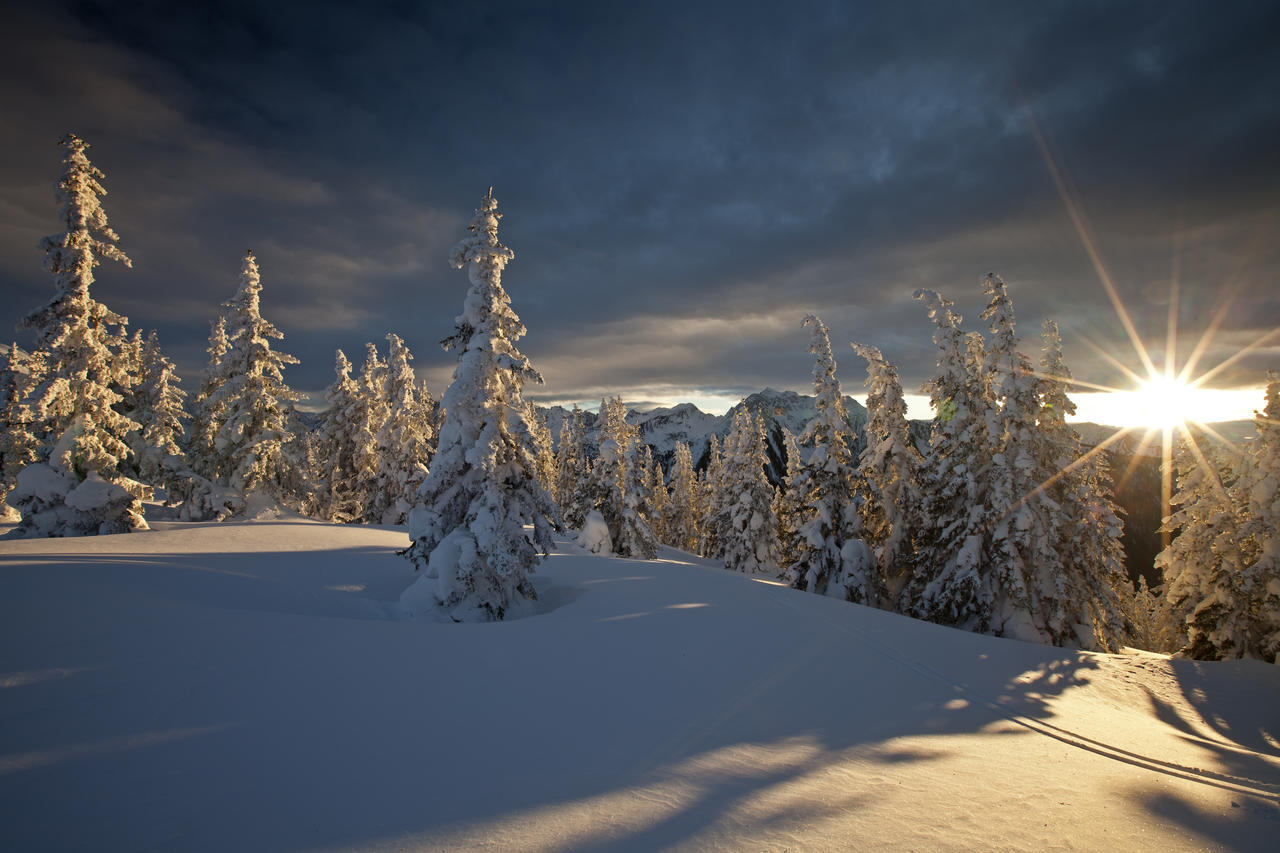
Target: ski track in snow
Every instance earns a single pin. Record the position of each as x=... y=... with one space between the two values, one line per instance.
x=248 y=686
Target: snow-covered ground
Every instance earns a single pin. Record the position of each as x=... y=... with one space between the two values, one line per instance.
x=247 y=687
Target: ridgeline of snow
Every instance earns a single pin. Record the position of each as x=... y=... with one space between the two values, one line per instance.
x=248 y=686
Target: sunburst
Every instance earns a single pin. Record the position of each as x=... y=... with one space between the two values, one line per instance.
x=1164 y=403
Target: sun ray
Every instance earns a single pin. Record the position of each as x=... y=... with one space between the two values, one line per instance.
x=1234 y=357
x=1086 y=239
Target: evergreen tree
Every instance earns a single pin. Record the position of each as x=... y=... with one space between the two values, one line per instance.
x=1221 y=568
x=334 y=456
x=83 y=489
x=405 y=439
x=889 y=470
x=161 y=413
x=1028 y=578
x=544 y=455
x=467 y=532
x=791 y=502
x=681 y=518
x=372 y=408
x=573 y=490
x=79 y=338
x=951 y=584
x=740 y=516
x=709 y=491
x=18 y=446
x=1081 y=602
x=832 y=558
x=256 y=402
x=635 y=533
x=656 y=488
x=207 y=416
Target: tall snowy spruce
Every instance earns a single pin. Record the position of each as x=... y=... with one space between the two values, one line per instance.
x=81 y=488
x=740 y=524
x=1084 y=607
x=405 y=439
x=618 y=487
x=255 y=403
x=1033 y=593
x=160 y=410
x=467 y=531
x=1222 y=568
x=889 y=470
x=681 y=522
x=18 y=445
x=831 y=556
x=336 y=498
x=951 y=584
x=206 y=415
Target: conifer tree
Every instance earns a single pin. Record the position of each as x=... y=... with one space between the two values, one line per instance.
x=405 y=439
x=1083 y=604
x=791 y=501
x=79 y=338
x=681 y=518
x=710 y=487
x=337 y=498
x=573 y=492
x=467 y=531
x=740 y=516
x=635 y=532
x=1221 y=568
x=544 y=455
x=18 y=446
x=161 y=413
x=1021 y=553
x=951 y=584
x=656 y=489
x=371 y=413
x=889 y=470
x=83 y=488
x=832 y=558
x=256 y=402
x=207 y=416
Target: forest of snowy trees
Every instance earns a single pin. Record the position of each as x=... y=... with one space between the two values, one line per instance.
x=1000 y=521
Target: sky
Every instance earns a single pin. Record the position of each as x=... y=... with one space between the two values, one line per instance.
x=681 y=183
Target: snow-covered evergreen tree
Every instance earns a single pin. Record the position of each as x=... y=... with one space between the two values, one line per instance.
x=790 y=504
x=1079 y=593
x=337 y=498
x=618 y=485
x=544 y=454
x=372 y=408
x=467 y=532
x=573 y=490
x=709 y=489
x=831 y=556
x=255 y=401
x=73 y=404
x=889 y=471
x=1032 y=593
x=635 y=532
x=18 y=446
x=740 y=516
x=78 y=338
x=681 y=519
x=161 y=412
x=951 y=584
x=206 y=416
x=404 y=441
x=656 y=488
x=1222 y=569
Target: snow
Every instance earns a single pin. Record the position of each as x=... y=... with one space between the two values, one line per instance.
x=248 y=686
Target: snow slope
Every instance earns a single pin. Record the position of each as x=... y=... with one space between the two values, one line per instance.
x=248 y=687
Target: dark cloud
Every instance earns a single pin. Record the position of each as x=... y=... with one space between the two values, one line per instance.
x=682 y=182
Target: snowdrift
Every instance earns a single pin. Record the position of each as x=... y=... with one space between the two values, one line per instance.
x=253 y=686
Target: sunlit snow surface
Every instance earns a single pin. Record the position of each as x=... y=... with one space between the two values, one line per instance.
x=249 y=687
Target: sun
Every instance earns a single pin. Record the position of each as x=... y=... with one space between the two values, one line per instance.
x=1164 y=402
